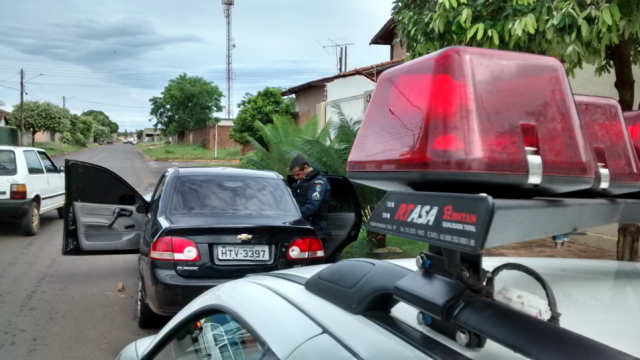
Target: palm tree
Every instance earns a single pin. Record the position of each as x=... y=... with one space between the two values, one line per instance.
x=327 y=149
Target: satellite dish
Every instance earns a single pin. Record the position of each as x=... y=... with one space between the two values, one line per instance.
x=2 y=103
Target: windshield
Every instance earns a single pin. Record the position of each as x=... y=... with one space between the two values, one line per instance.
x=8 y=163
x=206 y=195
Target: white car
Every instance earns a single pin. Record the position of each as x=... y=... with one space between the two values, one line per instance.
x=342 y=311
x=133 y=141
x=30 y=184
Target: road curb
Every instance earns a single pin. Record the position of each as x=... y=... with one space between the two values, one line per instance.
x=145 y=156
x=73 y=152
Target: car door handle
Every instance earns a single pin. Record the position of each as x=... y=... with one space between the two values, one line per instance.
x=119 y=212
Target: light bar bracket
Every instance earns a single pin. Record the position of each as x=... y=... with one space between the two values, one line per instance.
x=472 y=223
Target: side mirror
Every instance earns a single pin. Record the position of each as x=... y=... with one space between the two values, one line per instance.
x=61 y=169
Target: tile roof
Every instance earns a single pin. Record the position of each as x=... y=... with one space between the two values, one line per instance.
x=371 y=72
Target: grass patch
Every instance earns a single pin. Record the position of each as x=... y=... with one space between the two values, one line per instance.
x=54 y=149
x=144 y=145
x=189 y=152
x=363 y=248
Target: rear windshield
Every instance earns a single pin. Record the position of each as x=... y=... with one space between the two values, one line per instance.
x=206 y=195
x=8 y=163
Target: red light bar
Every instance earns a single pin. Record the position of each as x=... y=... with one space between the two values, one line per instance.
x=618 y=169
x=478 y=117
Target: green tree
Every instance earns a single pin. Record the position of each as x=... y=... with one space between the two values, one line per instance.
x=261 y=108
x=76 y=130
x=604 y=33
x=86 y=125
x=101 y=119
x=101 y=133
x=188 y=102
x=139 y=135
x=39 y=116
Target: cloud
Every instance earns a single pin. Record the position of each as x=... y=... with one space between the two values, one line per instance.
x=91 y=43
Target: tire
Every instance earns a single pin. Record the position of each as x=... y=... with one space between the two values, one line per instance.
x=30 y=223
x=147 y=319
x=60 y=212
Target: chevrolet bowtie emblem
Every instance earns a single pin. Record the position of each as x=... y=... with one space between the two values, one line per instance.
x=245 y=237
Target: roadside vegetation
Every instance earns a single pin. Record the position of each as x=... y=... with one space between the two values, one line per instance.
x=162 y=152
x=54 y=149
x=397 y=248
x=75 y=130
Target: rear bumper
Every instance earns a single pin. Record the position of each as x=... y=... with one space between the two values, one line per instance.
x=14 y=208
x=167 y=292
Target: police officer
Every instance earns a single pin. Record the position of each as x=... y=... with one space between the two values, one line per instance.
x=311 y=191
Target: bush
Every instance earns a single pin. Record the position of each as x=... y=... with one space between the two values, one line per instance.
x=203 y=143
x=73 y=139
x=167 y=142
x=245 y=162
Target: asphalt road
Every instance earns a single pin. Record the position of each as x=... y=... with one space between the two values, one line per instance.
x=55 y=307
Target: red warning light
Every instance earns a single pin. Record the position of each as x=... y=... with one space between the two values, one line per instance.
x=474 y=116
x=606 y=133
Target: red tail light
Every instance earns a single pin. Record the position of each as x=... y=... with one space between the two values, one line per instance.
x=174 y=248
x=618 y=169
x=475 y=116
x=18 y=192
x=305 y=248
x=632 y=120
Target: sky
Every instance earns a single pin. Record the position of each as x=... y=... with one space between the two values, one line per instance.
x=115 y=55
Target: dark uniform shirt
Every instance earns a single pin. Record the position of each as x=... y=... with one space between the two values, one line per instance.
x=312 y=195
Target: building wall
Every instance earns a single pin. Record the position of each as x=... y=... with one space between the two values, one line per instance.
x=306 y=102
x=348 y=93
x=397 y=51
x=587 y=83
x=207 y=135
x=348 y=87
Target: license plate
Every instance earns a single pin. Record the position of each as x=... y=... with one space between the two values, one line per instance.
x=243 y=252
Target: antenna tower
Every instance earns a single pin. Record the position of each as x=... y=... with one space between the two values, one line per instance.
x=228 y=5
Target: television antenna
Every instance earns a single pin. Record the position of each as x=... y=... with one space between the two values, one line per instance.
x=341 y=55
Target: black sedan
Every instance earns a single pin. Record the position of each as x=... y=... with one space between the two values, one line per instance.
x=201 y=227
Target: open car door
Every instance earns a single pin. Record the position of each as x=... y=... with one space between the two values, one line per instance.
x=103 y=214
x=344 y=218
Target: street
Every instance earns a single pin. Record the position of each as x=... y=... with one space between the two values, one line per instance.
x=55 y=307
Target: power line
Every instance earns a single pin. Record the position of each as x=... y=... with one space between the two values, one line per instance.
x=125 y=106
x=10 y=77
x=8 y=87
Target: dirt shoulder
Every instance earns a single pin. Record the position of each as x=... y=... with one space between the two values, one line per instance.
x=546 y=248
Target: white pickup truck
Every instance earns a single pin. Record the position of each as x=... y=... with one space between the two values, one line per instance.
x=30 y=184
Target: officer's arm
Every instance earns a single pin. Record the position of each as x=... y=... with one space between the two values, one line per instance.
x=316 y=194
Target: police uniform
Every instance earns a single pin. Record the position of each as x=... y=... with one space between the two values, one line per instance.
x=312 y=195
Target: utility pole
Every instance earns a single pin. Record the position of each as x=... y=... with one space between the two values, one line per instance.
x=227 y=5
x=340 y=68
x=21 y=107
x=64 y=102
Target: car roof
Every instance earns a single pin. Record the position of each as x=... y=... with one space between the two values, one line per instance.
x=227 y=171
x=4 y=147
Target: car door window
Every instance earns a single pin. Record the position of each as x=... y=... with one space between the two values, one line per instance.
x=33 y=162
x=49 y=166
x=215 y=337
x=8 y=163
x=99 y=187
x=157 y=195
